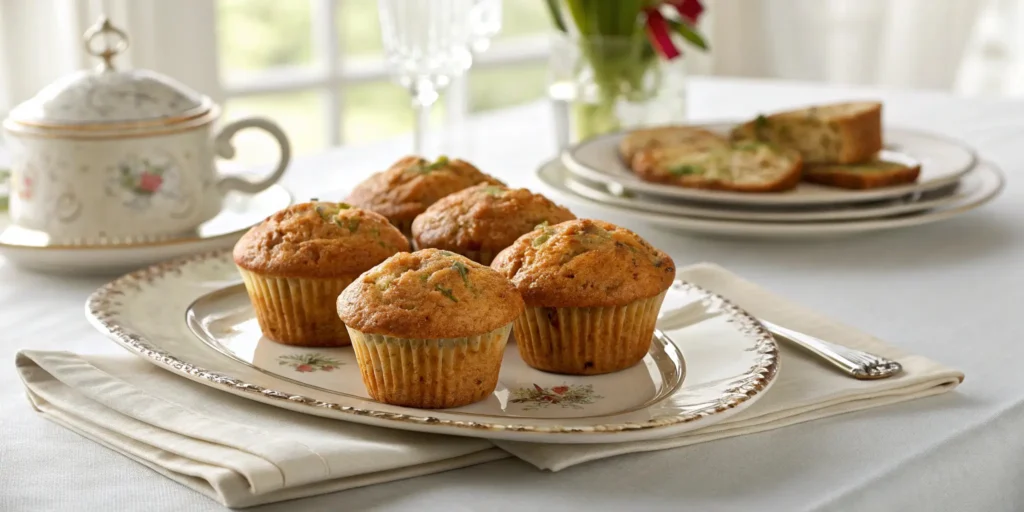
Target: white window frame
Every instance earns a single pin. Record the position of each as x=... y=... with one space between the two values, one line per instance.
x=331 y=70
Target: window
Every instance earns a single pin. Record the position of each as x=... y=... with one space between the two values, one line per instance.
x=316 y=67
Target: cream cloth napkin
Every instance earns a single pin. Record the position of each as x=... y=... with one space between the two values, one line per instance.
x=805 y=388
x=243 y=453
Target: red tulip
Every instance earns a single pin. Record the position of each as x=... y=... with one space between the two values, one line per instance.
x=657 y=31
x=690 y=10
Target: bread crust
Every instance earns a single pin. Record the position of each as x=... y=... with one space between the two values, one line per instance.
x=838 y=176
x=861 y=135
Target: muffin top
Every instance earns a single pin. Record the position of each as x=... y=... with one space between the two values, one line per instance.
x=585 y=263
x=429 y=294
x=318 y=239
x=484 y=218
x=412 y=184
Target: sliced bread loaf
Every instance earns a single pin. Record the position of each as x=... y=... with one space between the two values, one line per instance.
x=748 y=166
x=685 y=136
x=873 y=174
x=836 y=133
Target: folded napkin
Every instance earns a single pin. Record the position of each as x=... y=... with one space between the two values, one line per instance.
x=243 y=453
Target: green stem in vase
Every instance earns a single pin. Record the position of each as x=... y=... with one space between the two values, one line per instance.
x=620 y=67
x=612 y=42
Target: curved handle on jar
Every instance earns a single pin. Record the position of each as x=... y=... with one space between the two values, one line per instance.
x=222 y=147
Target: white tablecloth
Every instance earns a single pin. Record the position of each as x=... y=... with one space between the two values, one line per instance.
x=952 y=291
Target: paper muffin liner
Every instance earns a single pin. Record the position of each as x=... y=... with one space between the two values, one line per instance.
x=587 y=341
x=430 y=373
x=298 y=311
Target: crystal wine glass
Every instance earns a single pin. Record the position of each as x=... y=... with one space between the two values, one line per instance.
x=485 y=24
x=427 y=44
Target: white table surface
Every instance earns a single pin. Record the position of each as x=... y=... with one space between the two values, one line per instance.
x=953 y=291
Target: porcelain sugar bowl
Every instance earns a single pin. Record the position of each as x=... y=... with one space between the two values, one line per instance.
x=111 y=156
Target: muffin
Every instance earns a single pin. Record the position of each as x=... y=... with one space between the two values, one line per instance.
x=480 y=221
x=412 y=184
x=592 y=290
x=429 y=328
x=297 y=261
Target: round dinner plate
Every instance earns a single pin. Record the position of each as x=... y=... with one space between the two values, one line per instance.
x=193 y=317
x=990 y=184
x=943 y=161
x=30 y=249
x=849 y=211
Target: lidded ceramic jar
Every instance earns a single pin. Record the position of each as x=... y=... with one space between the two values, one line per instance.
x=110 y=156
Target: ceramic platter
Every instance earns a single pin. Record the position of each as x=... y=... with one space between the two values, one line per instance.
x=984 y=184
x=943 y=162
x=30 y=249
x=192 y=317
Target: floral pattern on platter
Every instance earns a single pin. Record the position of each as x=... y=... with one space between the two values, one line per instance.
x=306 y=363
x=574 y=396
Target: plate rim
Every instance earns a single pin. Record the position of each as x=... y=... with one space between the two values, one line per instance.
x=100 y=313
x=790 y=229
x=574 y=182
x=568 y=159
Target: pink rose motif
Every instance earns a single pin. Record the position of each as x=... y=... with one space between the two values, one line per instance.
x=149 y=182
x=25 y=193
x=327 y=368
x=304 y=368
x=560 y=389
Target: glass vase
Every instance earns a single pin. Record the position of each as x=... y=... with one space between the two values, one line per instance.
x=601 y=85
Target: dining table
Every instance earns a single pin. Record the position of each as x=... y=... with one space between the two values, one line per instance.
x=952 y=291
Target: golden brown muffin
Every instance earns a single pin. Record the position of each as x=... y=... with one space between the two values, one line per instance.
x=429 y=328
x=592 y=290
x=480 y=221
x=297 y=261
x=412 y=184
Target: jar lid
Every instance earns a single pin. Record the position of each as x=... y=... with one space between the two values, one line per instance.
x=107 y=98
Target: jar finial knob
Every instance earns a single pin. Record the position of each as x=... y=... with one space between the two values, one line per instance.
x=114 y=39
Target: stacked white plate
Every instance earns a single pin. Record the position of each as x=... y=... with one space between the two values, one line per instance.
x=953 y=180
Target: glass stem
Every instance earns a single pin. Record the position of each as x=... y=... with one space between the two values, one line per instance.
x=422 y=127
x=424 y=95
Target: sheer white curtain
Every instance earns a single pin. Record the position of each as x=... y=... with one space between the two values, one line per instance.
x=41 y=40
x=38 y=43
x=895 y=43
